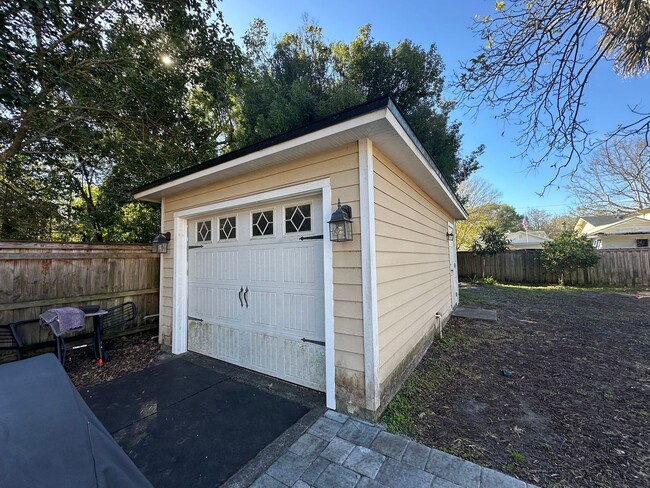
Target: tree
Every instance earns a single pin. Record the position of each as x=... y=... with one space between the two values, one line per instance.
x=301 y=78
x=98 y=96
x=538 y=219
x=616 y=178
x=568 y=252
x=481 y=201
x=552 y=224
x=490 y=241
x=475 y=192
x=538 y=60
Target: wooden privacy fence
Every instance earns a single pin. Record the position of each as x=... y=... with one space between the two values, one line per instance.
x=37 y=276
x=616 y=267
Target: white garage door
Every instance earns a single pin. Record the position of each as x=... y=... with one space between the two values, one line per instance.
x=256 y=290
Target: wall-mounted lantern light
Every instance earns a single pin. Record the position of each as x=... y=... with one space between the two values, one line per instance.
x=160 y=242
x=341 y=224
x=450 y=236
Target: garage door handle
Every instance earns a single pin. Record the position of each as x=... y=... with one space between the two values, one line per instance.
x=241 y=294
x=311 y=341
x=246 y=297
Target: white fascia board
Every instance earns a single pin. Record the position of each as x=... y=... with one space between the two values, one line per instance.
x=150 y=194
x=460 y=212
x=599 y=230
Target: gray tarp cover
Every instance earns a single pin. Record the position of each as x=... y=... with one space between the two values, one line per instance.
x=49 y=436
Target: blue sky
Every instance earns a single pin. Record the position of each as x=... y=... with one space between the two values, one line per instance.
x=447 y=24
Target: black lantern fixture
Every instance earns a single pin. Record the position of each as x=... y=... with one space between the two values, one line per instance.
x=160 y=242
x=450 y=236
x=341 y=224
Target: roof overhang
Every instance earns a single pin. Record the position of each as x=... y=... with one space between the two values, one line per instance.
x=611 y=229
x=379 y=121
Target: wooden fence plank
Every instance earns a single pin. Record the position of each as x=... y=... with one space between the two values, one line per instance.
x=38 y=276
x=616 y=267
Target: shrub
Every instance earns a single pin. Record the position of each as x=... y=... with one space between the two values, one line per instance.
x=568 y=252
x=490 y=241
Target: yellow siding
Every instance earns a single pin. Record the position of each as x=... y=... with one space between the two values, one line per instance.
x=341 y=165
x=413 y=277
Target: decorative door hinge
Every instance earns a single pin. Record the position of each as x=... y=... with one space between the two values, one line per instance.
x=189 y=317
x=311 y=341
x=195 y=247
x=309 y=238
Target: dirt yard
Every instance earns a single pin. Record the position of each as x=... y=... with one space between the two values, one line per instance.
x=126 y=355
x=557 y=392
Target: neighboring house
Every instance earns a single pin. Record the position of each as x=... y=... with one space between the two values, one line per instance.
x=250 y=280
x=526 y=240
x=617 y=231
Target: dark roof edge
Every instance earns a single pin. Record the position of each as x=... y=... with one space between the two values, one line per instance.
x=395 y=110
x=330 y=120
x=385 y=101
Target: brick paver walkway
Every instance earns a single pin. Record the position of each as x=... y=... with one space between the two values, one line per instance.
x=339 y=451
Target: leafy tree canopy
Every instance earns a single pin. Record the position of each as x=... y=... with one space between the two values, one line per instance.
x=482 y=201
x=98 y=96
x=300 y=78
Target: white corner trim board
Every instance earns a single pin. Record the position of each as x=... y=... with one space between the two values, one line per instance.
x=180 y=278
x=161 y=275
x=369 y=274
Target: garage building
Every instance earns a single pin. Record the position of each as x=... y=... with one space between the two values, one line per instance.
x=253 y=276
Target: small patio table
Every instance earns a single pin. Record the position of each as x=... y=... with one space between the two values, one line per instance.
x=98 y=343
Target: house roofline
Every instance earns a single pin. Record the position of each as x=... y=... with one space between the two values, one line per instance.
x=323 y=123
x=599 y=230
x=382 y=103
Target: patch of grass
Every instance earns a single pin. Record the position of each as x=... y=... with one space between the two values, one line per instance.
x=610 y=395
x=525 y=287
x=467 y=298
x=398 y=416
x=447 y=343
x=516 y=456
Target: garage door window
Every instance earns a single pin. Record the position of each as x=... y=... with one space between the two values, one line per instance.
x=227 y=228
x=204 y=231
x=297 y=218
x=263 y=223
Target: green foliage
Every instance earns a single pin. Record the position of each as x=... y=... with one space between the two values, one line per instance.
x=568 y=252
x=490 y=241
x=301 y=78
x=488 y=280
x=504 y=218
x=398 y=416
x=516 y=456
x=99 y=97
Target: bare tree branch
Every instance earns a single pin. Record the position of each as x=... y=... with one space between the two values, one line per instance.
x=540 y=56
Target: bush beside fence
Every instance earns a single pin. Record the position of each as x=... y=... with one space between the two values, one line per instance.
x=616 y=267
x=37 y=276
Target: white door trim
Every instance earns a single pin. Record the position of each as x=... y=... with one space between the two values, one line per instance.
x=369 y=274
x=180 y=279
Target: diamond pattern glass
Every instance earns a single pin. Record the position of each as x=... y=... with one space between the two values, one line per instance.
x=228 y=228
x=204 y=231
x=263 y=223
x=297 y=219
